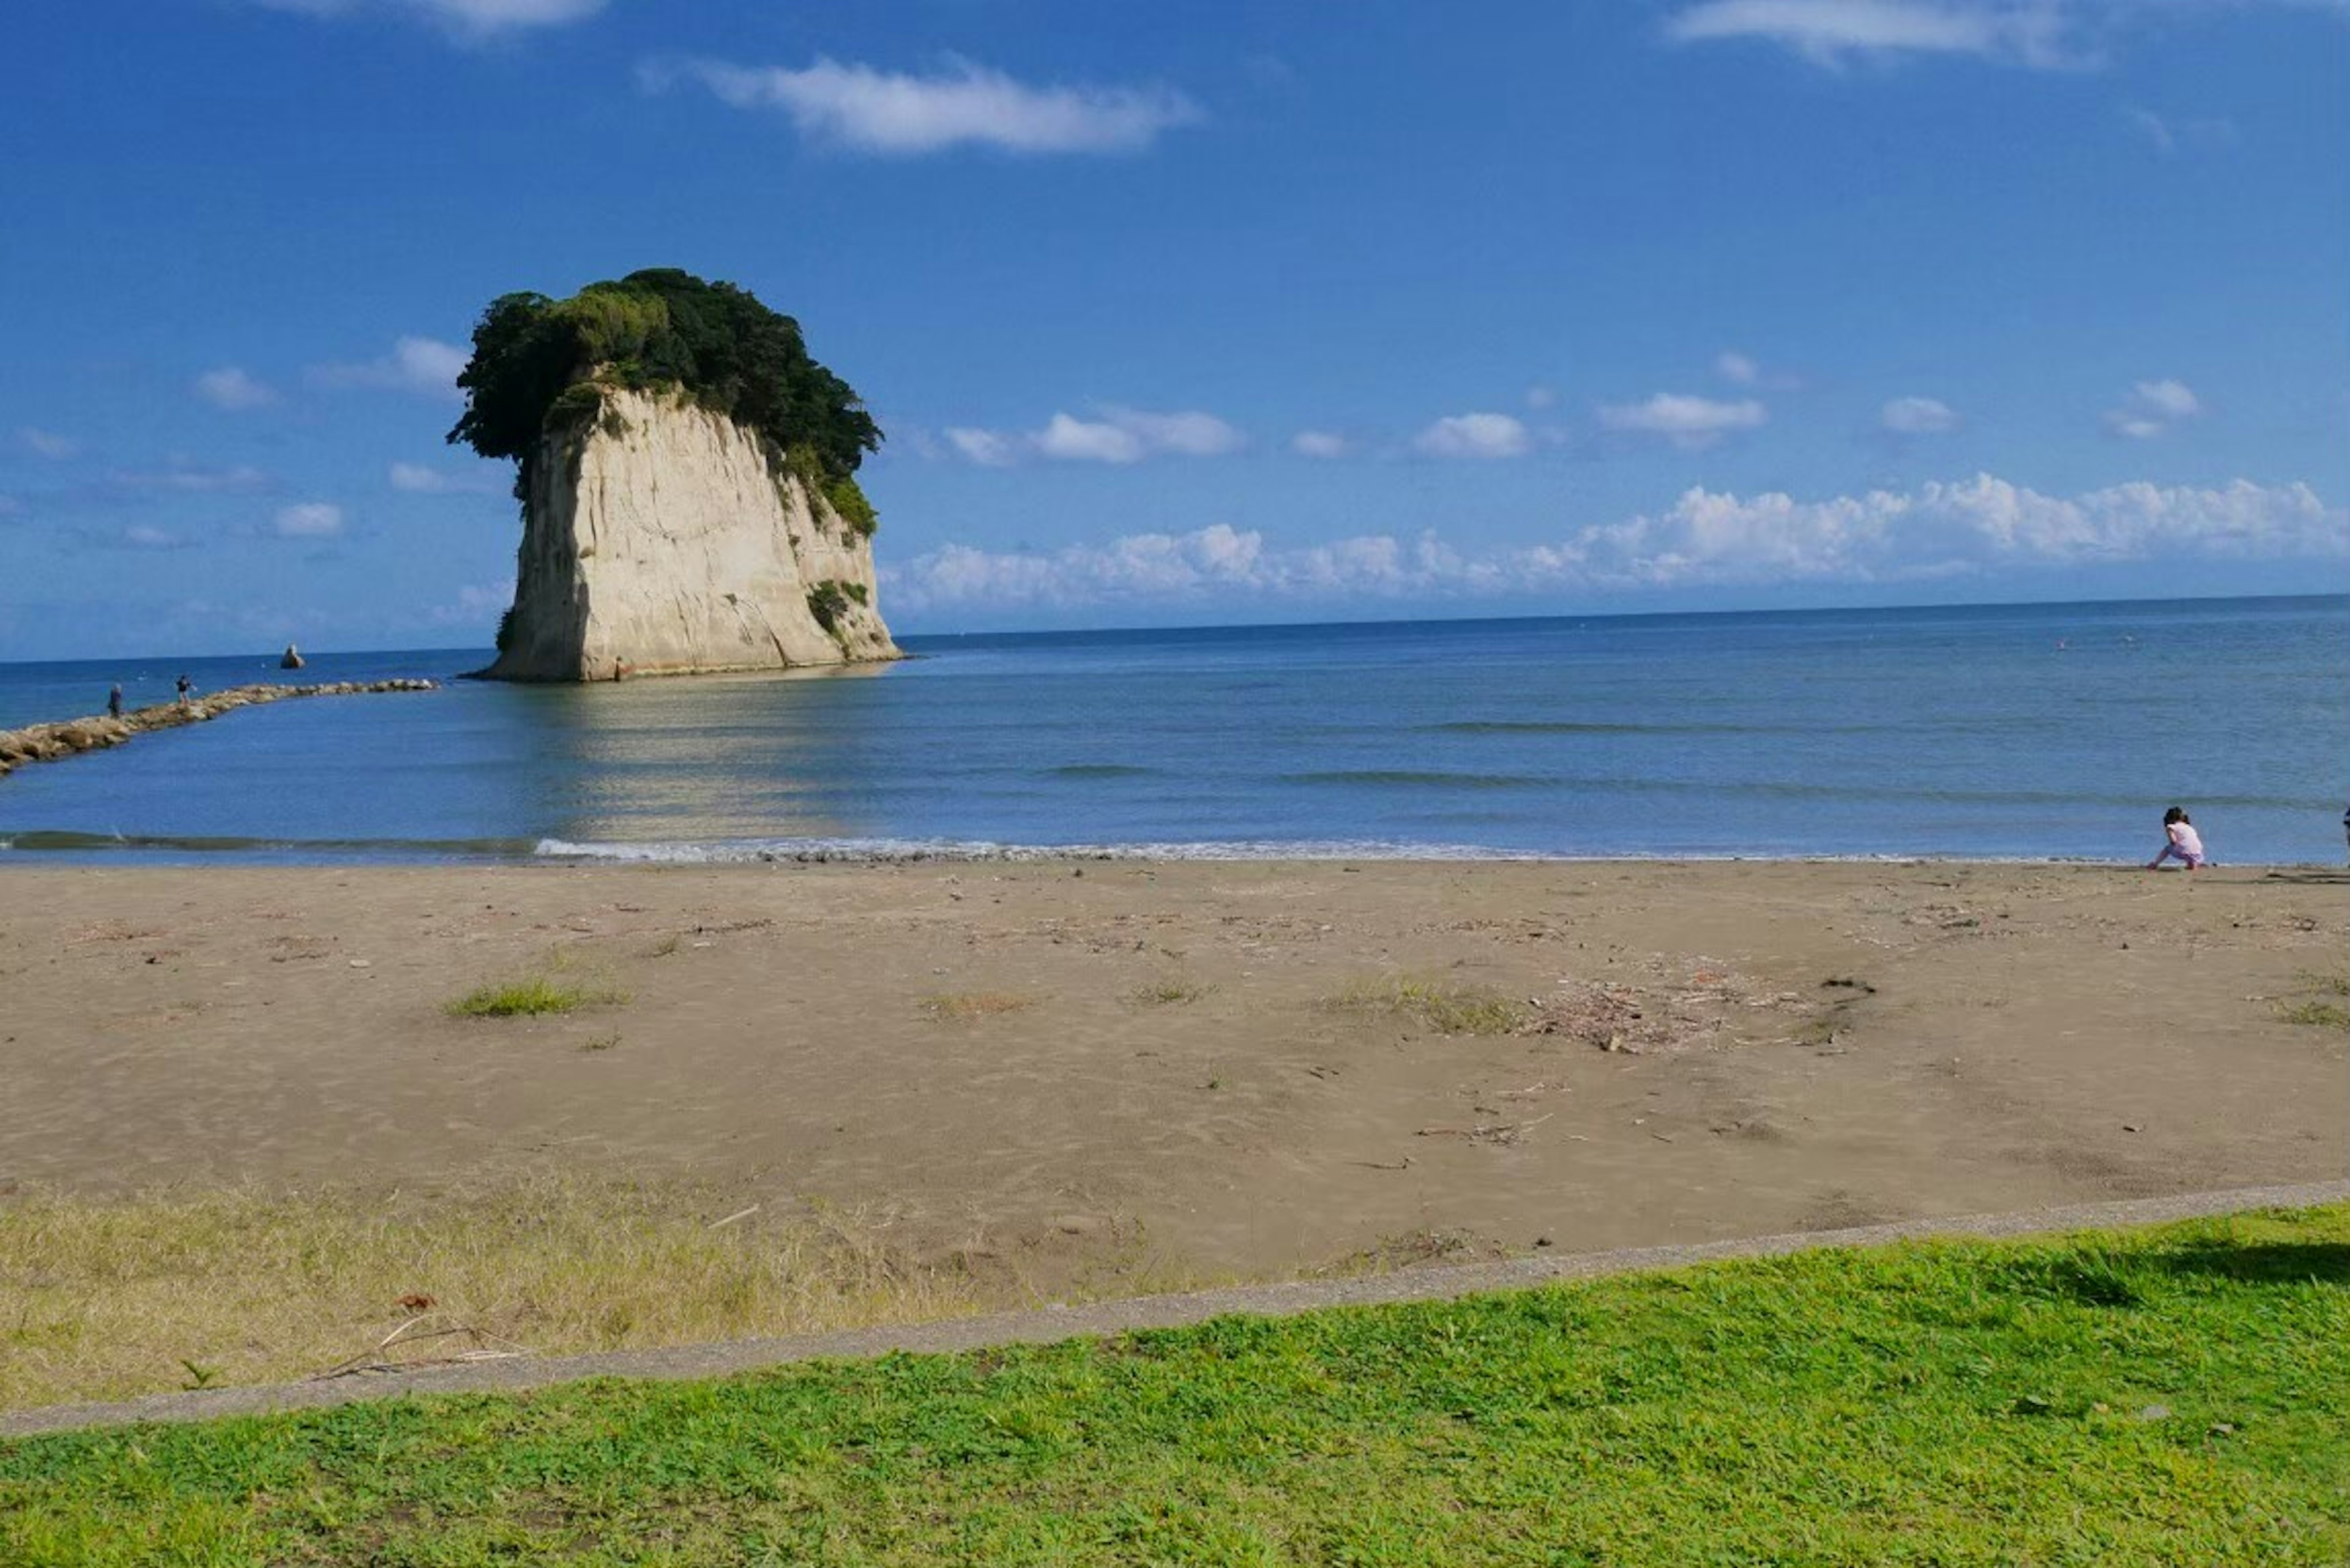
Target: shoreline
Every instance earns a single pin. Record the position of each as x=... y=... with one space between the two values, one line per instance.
x=58 y=850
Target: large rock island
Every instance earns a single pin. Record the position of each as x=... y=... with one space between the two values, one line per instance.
x=687 y=476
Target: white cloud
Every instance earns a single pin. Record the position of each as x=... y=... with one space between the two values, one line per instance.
x=425 y=366
x=307 y=520
x=1918 y=416
x=232 y=388
x=1318 y=443
x=48 y=443
x=1981 y=527
x=1474 y=436
x=1690 y=423
x=2152 y=408
x=137 y=536
x=986 y=448
x=1540 y=397
x=478 y=19
x=1070 y=439
x=477 y=605
x=1121 y=435
x=1831 y=31
x=2040 y=34
x=1737 y=368
x=901 y=115
x=415 y=478
x=194 y=480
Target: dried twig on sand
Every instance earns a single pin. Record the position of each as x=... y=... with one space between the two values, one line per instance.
x=373 y=1360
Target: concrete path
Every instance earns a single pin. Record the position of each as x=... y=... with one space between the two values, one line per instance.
x=1105 y=1318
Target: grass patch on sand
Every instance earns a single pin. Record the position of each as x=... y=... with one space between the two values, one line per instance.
x=1433 y=1004
x=102 y=1300
x=519 y=999
x=563 y=986
x=2325 y=1010
x=1171 y=994
x=2167 y=1397
x=962 y=1006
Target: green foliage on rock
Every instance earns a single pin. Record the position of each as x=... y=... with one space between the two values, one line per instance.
x=540 y=364
x=829 y=601
x=848 y=502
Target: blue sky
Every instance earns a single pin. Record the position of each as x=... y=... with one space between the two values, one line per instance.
x=1204 y=313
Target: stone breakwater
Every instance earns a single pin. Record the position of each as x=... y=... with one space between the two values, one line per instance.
x=71 y=737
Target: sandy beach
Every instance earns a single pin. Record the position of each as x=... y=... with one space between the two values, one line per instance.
x=1245 y=1067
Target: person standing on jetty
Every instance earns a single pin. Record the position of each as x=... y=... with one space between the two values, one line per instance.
x=2184 y=841
x=114 y=702
x=186 y=686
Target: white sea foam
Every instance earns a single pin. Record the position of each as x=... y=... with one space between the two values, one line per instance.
x=909 y=850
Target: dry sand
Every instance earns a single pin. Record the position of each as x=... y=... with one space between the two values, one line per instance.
x=1067 y=1058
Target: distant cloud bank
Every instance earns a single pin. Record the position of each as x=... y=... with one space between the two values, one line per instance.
x=1978 y=526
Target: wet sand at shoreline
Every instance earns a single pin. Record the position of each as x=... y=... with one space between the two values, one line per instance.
x=1242 y=1067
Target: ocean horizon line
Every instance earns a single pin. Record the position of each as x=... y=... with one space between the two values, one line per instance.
x=1613 y=617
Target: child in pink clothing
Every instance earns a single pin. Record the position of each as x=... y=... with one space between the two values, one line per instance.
x=2185 y=844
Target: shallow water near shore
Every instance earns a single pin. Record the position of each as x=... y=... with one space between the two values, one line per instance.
x=2005 y=731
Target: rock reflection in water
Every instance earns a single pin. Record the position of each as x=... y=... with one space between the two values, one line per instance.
x=709 y=757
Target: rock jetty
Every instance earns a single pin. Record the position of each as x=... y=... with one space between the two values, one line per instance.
x=71 y=737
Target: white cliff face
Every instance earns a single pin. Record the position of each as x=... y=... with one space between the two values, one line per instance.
x=660 y=540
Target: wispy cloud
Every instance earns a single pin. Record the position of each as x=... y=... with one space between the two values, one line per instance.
x=192 y=479
x=1918 y=416
x=1120 y=435
x=2040 y=34
x=416 y=479
x=1833 y=32
x=232 y=388
x=425 y=366
x=307 y=520
x=2168 y=135
x=136 y=536
x=2152 y=408
x=1692 y=423
x=47 y=443
x=477 y=605
x=899 y=114
x=1319 y=443
x=1982 y=525
x=467 y=19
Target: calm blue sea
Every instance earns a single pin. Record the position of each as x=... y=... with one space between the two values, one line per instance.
x=1996 y=731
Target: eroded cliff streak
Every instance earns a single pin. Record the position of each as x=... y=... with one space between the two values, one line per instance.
x=661 y=537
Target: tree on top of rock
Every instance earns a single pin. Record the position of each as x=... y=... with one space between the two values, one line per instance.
x=540 y=363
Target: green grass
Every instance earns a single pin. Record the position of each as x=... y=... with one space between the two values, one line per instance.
x=518 y=999
x=2174 y=1396
x=1433 y=1004
x=1171 y=994
x=2324 y=1011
